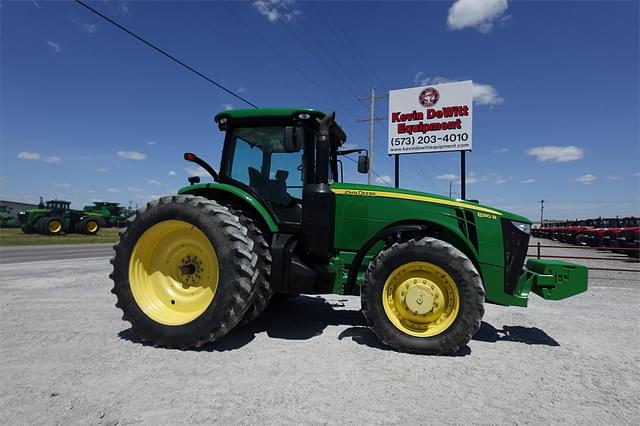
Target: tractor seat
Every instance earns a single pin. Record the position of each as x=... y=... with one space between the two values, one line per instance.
x=279 y=194
x=259 y=183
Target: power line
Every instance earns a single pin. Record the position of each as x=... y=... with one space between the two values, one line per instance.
x=291 y=63
x=308 y=47
x=173 y=58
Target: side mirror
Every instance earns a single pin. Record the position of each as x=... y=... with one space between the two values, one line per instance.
x=293 y=139
x=363 y=164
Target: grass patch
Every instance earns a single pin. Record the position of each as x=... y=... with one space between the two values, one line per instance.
x=15 y=237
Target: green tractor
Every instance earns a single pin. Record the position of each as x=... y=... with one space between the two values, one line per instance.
x=113 y=214
x=277 y=219
x=56 y=217
x=6 y=221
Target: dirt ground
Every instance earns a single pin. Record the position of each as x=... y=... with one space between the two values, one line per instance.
x=67 y=358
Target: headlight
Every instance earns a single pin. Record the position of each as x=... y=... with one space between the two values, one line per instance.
x=524 y=227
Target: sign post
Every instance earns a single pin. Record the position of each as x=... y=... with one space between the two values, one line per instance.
x=436 y=118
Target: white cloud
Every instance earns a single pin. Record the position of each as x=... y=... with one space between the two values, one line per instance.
x=479 y=14
x=483 y=94
x=114 y=190
x=172 y=173
x=501 y=179
x=57 y=47
x=241 y=90
x=586 y=179
x=196 y=171
x=528 y=181
x=91 y=191
x=501 y=151
x=134 y=189
x=132 y=155
x=448 y=177
x=90 y=28
x=61 y=185
x=151 y=142
x=53 y=159
x=472 y=177
x=615 y=177
x=102 y=170
x=560 y=154
x=154 y=182
x=349 y=146
x=383 y=180
x=637 y=174
x=277 y=10
x=227 y=107
x=422 y=80
x=28 y=155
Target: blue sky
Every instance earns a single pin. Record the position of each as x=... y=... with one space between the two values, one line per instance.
x=89 y=113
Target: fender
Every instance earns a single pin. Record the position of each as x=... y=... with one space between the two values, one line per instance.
x=212 y=191
x=357 y=260
x=423 y=228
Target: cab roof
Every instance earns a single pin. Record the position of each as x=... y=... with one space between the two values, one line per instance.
x=266 y=116
x=273 y=113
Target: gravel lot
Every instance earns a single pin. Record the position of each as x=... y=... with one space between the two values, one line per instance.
x=66 y=357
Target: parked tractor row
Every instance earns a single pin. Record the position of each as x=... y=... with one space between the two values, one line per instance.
x=618 y=234
x=56 y=217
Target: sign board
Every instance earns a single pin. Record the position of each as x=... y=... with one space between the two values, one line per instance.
x=433 y=118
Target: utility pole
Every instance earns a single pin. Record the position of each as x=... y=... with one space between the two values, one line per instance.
x=449 y=189
x=541 y=212
x=371 y=120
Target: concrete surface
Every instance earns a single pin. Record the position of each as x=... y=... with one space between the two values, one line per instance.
x=22 y=254
x=67 y=358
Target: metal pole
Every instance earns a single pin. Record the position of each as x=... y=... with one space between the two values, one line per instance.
x=450 y=189
x=371 y=115
x=397 y=163
x=541 y=212
x=463 y=176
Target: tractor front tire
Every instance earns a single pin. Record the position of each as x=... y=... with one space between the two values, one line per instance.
x=423 y=296
x=184 y=271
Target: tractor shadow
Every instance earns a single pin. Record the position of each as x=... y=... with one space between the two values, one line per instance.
x=514 y=333
x=299 y=318
x=305 y=317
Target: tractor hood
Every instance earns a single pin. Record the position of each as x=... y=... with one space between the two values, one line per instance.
x=406 y=194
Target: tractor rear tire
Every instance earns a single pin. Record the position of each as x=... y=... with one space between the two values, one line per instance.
x=53 y=226
x=184 y=272
x=39 y=226
x=264 y=291
x=423 y=296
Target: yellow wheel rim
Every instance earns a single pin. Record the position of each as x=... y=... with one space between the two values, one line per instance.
x=173 y=272
x=92 y=226
x=421 y=299
x=55 y=226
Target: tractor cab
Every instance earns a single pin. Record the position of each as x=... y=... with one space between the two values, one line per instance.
x=58 y=206
x=275 y=158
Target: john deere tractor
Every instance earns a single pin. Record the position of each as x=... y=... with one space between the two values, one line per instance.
x=277 y=219
x=56 y=217
x=113 y=214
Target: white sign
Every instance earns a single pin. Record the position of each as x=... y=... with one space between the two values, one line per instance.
x=432 y=118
